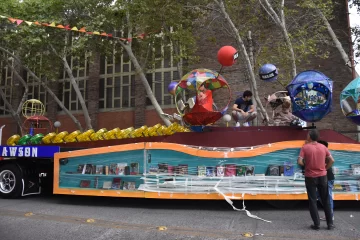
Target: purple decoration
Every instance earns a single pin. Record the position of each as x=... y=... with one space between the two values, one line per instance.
x=172 y=87
x=268 y=72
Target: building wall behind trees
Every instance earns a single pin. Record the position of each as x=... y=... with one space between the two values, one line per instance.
x=121 y=98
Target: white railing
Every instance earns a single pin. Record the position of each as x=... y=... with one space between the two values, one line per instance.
x=1 y=133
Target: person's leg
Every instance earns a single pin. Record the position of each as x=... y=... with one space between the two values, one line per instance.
x=322 y=186
x=251 y=116
x=330 y=188
x=310 y=184
x=238 y=117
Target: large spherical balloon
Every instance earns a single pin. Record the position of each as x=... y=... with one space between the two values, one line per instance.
x=268 y=72
x=227 y=56
x=311 y=95
x=196 y=105
x=350 y=101
x=172 y=87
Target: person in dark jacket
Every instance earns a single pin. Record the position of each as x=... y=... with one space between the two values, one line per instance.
x=331 y=179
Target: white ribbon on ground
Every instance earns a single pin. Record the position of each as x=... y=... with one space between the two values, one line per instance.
x=248 y=213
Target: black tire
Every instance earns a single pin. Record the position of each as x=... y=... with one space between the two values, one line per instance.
x=10 y=172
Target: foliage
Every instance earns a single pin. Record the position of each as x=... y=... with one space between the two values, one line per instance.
x=355 y=31
x=306 y=30
x=145 y=16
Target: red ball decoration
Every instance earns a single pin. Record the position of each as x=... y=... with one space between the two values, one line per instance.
x=227 y=56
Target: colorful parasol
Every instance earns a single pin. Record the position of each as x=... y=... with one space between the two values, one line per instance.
x=194 y=79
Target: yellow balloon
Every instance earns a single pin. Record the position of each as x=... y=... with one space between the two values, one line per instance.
x=48 y=138
x=60 y=137
x=94 y=137
x=119 y=134
x=72 y=136
x=13 y=140
x=100 y=133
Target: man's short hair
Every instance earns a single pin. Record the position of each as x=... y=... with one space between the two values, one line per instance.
x=247 y=93
x=325 y=143
x=314 y=134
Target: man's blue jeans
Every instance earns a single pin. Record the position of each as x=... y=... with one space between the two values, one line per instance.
x=330 y=188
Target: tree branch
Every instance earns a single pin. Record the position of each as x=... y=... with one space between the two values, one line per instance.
x=75 y=87
x=25 y=85
x=48 y=90
x=249 y=66
x=11 y=110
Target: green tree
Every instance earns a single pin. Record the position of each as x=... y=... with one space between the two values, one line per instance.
x=129 y=17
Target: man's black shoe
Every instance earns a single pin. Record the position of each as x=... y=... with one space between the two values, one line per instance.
x=331 y=227
x=315 y=227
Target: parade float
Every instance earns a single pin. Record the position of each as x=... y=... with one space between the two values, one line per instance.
x=193 y=158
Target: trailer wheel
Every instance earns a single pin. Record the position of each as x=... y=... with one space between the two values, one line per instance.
x=10 y=181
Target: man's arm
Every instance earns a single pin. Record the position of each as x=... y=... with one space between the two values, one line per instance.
x=252 y=109
x=300 y=161
x=235 y=108
x=329 y=162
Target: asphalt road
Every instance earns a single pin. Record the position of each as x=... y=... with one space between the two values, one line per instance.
x=75 y=217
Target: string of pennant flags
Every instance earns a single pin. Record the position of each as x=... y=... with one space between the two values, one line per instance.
x=68 y=28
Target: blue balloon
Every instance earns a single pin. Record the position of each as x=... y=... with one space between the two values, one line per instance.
x=311 y=95
x=268 y=72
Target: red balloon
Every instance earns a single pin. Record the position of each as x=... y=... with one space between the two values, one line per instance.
x=227 y=56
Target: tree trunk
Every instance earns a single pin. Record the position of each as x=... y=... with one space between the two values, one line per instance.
x=92 y=87
x=140 y=103
x=19 y=79
x=61 y=105
x=280 y=22
x=252 y=60
x=17 y=91
x=51 y=105
x=241 y=46
x=336 y=41
x=11 y=110
x=78 y=93
x=150 y=94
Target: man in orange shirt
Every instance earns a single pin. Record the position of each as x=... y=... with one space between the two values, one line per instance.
x=312 y=156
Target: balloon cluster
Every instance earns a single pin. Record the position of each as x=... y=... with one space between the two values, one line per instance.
x=91 y=135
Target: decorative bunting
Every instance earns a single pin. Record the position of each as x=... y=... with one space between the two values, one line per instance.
x=18 y=22
x=141 y=36
x=12 y=20
x=74 y=28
